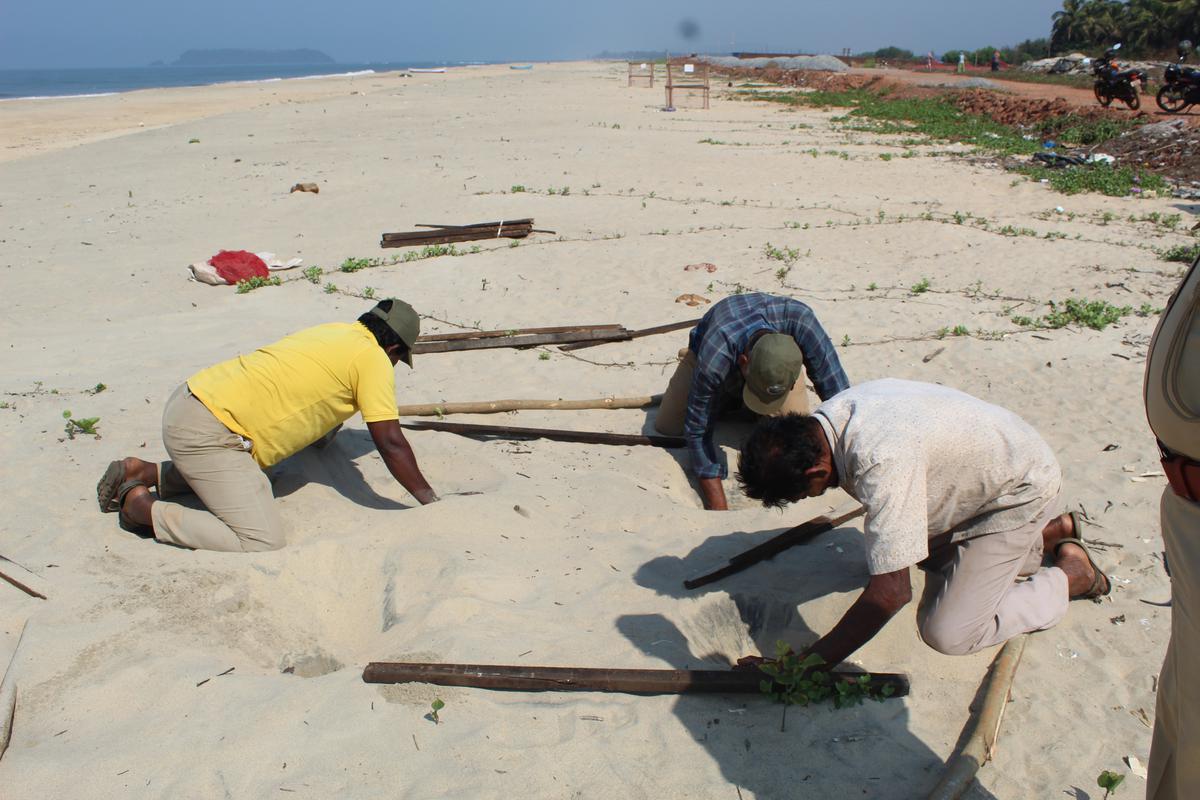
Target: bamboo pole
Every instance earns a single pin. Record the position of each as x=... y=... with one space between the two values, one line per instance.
x=530 y=340
x=584 y=679
x=24 y=588
x=497 y=406
x=981 y=745
x=8 y=695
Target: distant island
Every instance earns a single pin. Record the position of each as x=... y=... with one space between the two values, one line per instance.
x=232 y=57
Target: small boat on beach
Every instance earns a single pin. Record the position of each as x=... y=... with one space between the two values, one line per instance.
x=520 y=66
x=428 y=69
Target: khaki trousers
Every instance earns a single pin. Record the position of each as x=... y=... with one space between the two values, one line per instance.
x=1174 y=769
x=215 y=463
x=970 y=600
x=673 y=408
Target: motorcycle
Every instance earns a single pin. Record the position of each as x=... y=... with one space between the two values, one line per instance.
x=1113 y=83
x=1181 y=84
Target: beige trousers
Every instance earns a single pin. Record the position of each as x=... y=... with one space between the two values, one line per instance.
x=215 y=463
x=673 y=408
x=1174 y=769
x=970 y=600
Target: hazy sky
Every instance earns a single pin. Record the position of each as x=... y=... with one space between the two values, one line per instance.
x=81 y=33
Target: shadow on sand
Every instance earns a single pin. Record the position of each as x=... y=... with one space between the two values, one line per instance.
x=865 y=751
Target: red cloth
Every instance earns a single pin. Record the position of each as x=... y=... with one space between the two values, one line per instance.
x=238 y=265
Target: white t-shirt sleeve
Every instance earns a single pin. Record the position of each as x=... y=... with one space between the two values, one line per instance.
x=897 y=524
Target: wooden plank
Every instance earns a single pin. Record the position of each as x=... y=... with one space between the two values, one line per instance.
x=532 y=340
x=584 y=679
x=526 y=221
x=635 y=334
x=451 y=337
x=508 y=432
x=455 y=239
x=425 y=234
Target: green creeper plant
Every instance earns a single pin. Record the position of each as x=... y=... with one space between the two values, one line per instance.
x=1109 y=781
x=82 y=425
x=434 y=707
x=796 y=681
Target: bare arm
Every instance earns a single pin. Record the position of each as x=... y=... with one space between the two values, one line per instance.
x=884 y=596
x=393 y=447
x=713 y=494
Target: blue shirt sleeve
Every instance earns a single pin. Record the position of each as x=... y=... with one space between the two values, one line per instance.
x=698 y=424
x=820 y=357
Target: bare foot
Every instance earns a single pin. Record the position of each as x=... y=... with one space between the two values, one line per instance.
x=1057 y=529
x=136 y=507
x=137 y=469
x=1080 y=572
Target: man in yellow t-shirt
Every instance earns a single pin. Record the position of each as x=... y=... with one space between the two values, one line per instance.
x=231 y=421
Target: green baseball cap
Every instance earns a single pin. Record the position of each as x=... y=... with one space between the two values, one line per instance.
x=403 y=320
x=775 y=365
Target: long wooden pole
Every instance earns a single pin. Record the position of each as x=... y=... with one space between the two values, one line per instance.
x=508 y=432
x=801 y=534
x=981 y=745
x=497 y=406
x=8 y=695
x=584 y=679
x=531 y=340
x=452 y=337
x=636 y=334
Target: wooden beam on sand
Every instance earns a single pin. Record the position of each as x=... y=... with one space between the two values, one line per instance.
x=502 y=229
x=497 y=406
x=801 y=534
x=636 y=334
x=456 y=336
x=582 y=679
x=529 y=340
x=507 y=432
x=985 y=730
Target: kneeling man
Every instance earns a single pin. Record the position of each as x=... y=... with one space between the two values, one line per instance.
x=965 y=490
x=749 y=350
x=230 y=422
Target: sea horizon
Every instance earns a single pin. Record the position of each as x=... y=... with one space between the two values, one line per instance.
x=51 y=83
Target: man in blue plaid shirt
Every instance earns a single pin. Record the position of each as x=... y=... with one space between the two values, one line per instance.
x=751 y=350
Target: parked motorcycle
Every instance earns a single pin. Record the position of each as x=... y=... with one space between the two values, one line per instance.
x=1113 y=83
x=1181 y=84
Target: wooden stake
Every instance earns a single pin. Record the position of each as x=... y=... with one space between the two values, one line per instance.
x=451 y=337
x=488 y=343
x=582 y=679
x=27 y=590
x=497 y=406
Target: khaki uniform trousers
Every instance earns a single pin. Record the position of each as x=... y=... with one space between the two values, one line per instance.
x=1174 y=769
x=215 y=464
x=673 y=408
x=971 y=601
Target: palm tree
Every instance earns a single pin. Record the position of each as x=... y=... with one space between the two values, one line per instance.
x=1063 y=29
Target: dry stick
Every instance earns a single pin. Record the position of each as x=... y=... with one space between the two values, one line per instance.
x=584 y=679
x=980 y=747
x=507 y=432
x=671 y=326
x=483 y=228
x=451 y=337
x=8 y=695
x=497 y=406
x=22 y=587
x=531 y=340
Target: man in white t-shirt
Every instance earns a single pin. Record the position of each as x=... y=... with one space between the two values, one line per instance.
x=963 y=489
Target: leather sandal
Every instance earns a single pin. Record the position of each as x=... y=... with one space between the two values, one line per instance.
x=122 y=519
x=1101 y=585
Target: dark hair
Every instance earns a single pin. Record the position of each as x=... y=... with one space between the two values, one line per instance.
x=772 y=462
x=382 y=331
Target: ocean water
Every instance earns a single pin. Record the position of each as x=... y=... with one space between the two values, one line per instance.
x=27 y=83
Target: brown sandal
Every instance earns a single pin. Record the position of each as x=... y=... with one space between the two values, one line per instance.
x=125 y=522
x=1101 y=585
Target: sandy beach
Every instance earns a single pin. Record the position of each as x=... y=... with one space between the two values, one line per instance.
x=153 y=671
